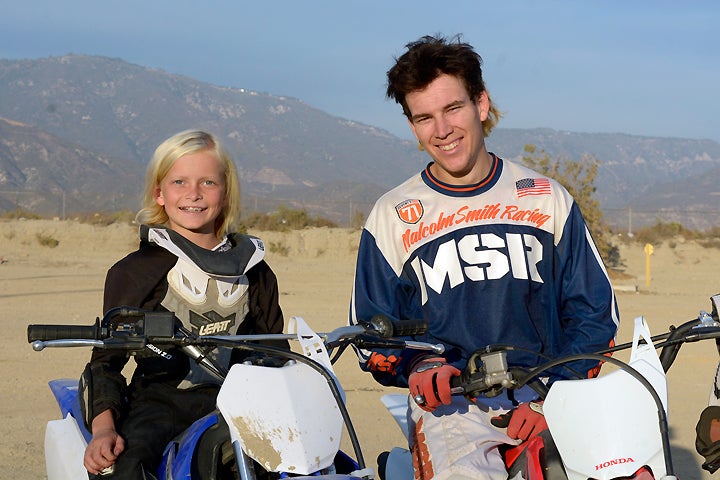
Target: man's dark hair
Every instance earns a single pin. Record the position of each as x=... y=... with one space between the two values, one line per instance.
x=428 y=58
x=432 y=56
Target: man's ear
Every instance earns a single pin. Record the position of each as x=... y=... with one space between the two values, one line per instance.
x=483 y=105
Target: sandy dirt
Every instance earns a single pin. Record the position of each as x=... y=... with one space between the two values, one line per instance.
x=41 y=283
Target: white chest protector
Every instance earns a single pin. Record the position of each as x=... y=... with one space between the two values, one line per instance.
x=208 y=290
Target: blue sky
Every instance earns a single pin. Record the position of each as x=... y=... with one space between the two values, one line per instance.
x=636 y=67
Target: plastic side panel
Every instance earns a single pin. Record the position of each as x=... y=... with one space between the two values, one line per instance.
x=178 y=454
x=285 y=418
x=66 y=394
x=397 y=405
x=399 y=465
x=64 y=450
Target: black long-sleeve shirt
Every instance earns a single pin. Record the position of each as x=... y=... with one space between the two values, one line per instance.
x=141 y=280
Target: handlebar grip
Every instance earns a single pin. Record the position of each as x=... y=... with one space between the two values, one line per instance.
x=57 y=332
x=384 y=327
x=404 y=328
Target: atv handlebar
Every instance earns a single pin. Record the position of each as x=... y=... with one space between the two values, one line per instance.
x=488 y=373
x=131 y=330
x=126 y=328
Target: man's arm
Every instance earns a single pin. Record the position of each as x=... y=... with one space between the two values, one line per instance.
x=587 y=305
x=378 y=290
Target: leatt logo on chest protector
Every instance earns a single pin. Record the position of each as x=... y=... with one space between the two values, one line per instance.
x=211 y=323
x=410 y=211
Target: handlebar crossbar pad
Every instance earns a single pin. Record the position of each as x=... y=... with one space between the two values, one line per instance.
x=58 y=332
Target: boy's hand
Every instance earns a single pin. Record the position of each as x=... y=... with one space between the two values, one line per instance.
x=105 y=445
x=103 y=450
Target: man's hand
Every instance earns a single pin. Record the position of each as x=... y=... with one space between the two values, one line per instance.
x=523 y=422
x=430 y=382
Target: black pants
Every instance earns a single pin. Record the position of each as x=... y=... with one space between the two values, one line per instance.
x=157 y=414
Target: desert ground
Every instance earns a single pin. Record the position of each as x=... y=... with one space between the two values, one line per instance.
x=53 y=272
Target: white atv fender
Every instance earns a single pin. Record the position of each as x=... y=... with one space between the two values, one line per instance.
x=284 y=418
x=607 y=427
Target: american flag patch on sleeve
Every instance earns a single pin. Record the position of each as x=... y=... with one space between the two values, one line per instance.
x=532 y=186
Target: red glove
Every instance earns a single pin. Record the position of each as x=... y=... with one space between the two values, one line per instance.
x=523 y=422
x=430 y=382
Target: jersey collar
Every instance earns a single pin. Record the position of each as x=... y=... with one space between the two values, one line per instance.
x=465 y=190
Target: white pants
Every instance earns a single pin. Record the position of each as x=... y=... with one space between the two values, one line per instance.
x=456 y=442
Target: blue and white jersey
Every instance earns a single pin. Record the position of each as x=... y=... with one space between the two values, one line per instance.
x=507 y=261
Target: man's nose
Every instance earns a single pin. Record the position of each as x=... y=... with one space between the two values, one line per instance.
x=443 y=128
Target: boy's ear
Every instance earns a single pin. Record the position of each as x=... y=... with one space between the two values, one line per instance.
x=159 y=197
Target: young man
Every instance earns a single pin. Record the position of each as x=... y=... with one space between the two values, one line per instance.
x=485 y=250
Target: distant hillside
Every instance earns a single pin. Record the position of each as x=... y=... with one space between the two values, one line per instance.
x=43 y=173
x=107 y=116
x=124 y=110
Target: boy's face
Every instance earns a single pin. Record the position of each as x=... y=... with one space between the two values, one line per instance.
x=193 y=195
x=448 y=125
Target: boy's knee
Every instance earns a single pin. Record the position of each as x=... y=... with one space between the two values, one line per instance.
x=707 y=442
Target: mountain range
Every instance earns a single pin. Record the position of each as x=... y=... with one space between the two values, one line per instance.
x=77 y=131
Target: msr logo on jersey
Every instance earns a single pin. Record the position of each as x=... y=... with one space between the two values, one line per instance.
x=480 y=257
x=410 y=211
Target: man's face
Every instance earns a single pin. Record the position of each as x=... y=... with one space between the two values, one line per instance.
x=448 y=125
